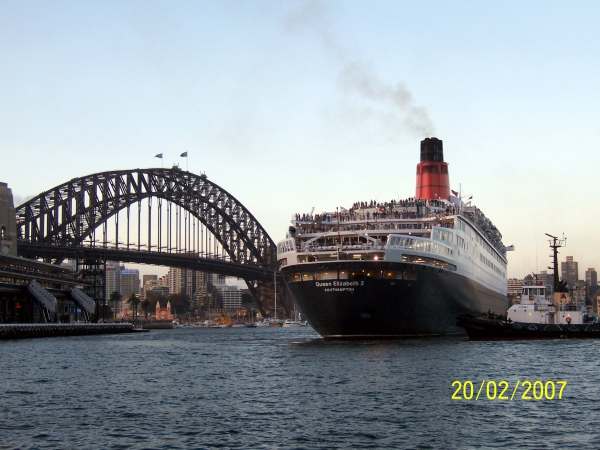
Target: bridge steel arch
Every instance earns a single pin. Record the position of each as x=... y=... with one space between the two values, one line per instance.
x=69 y=214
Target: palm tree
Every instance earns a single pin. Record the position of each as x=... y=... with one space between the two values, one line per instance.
x=145 y=305
x=114 y=297
x=134 y=301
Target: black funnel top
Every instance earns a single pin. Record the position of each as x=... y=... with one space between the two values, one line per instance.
x=432 y=149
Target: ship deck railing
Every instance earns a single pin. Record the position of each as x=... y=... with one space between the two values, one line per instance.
x=334 y=248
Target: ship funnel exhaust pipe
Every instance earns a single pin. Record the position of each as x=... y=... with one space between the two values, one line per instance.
x=433 y=181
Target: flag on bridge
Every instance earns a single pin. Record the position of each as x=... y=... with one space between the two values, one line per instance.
x=159 y=156
x=184 y=155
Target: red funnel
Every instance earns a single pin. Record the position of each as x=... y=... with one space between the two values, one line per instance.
x=433 y=181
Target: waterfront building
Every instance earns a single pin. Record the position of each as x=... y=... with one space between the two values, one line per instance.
x=230 y=296
x=515 y=286
x=163 y=313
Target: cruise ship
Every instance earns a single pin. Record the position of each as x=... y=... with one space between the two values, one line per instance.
x=398 y=269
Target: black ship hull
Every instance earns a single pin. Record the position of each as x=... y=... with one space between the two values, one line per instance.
x=490 y=328
x=406 y=300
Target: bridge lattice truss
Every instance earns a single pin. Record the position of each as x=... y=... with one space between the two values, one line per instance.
x=178 y=213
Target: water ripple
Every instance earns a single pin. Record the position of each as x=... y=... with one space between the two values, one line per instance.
x=288 y=389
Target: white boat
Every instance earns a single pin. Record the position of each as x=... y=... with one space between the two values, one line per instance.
x=289 y=323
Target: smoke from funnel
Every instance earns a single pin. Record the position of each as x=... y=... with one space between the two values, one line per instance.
x=314 y=17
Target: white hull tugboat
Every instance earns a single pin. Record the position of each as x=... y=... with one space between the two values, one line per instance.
x=404 y=268
x=535 y=317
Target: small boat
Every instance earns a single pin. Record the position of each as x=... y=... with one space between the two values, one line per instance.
x=139 y=329
x=276 y=323
x=297 y=322
x=289 y=323
x=239 y=325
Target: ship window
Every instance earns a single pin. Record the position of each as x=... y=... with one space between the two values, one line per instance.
x=343 y=275
x=375 y=274
x=356 y=275
x=3 y=233
x=326 y=275
x=282 y=262
x=307 y=276
x=293 y=277
x=392 y=275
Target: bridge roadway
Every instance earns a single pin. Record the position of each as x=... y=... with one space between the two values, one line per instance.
x=246 y=272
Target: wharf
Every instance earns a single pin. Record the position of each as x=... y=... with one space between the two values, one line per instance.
x=39 y=330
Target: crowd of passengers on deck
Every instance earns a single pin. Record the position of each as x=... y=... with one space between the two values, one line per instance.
x=376 y=211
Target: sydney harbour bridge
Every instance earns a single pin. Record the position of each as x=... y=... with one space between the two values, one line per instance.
x=166 y=217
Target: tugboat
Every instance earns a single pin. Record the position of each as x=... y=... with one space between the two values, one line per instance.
x=535 y=317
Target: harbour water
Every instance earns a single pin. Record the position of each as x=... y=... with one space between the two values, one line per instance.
x=268 y=388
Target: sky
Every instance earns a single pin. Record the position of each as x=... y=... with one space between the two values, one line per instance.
x=290 y=105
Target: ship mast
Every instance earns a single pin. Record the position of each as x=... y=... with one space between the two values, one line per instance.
x=555 y=244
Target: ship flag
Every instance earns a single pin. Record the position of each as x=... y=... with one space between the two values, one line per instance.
x=454 y=193
x=183 y=155
x=159 y=156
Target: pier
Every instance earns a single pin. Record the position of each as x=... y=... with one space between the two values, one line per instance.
x=39 y=330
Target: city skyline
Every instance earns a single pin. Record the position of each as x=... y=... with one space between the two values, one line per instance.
x=290 y=106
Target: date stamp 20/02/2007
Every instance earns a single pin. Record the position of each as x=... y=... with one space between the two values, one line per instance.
x=522 y=390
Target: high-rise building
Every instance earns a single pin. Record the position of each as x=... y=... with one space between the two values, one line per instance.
x=130 y=283
x=193 y=283
x=148 y=281
x=591 y=277
x=569 y=272
x=174 y=280
x=8 y=222
x=146 y=278
x=216 y=279
x=591 y=283
x=113 y=278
